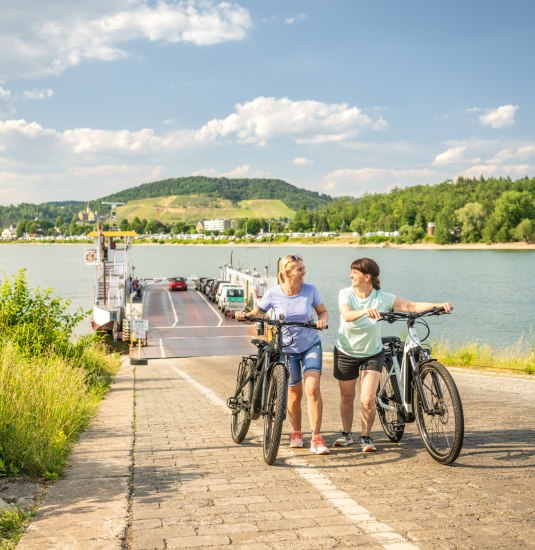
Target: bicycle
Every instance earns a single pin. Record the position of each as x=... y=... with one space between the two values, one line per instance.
x=262 y=387
x=416 y=387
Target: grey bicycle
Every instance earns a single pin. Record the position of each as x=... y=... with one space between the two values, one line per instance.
x=416 y=387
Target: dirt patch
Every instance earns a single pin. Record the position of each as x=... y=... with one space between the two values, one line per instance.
x=23 y=492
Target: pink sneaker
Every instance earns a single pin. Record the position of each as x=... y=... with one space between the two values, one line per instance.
x=318 y=446
x=296 y=441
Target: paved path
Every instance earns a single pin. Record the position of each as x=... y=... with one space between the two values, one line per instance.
x=176 y=480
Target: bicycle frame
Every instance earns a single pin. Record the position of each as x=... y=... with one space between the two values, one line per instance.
x=408 y=373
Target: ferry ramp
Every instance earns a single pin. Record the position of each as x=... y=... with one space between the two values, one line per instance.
x=188 y=324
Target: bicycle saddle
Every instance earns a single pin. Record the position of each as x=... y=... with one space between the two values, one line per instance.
x=259 y=343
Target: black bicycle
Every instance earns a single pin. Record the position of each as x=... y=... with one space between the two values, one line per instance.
x=262 y=386
x=414 y=386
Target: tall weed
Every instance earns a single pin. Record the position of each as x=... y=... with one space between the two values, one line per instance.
x=519 y=357
x=50 y=383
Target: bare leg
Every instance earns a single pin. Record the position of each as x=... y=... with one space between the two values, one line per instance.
x=369 y=382
x=295 y=394
x=314 y=400
x=347 y=398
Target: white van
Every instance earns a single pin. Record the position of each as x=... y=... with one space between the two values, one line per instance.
x=217 y=297
x=232 y=299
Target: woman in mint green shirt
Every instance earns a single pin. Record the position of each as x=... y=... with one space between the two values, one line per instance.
x=358 y=352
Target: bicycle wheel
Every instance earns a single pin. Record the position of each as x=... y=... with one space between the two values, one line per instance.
x=276 y=412
x=442 y=429
x=388 y=394
x=241 y=416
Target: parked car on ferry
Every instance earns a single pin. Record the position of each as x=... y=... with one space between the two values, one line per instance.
x=199 y=282
x=214 y=288
x=178 y=283
x=206 y=285
x=220 y=290
x=232 y=299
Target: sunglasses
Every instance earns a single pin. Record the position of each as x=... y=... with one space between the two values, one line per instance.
x=295 y=258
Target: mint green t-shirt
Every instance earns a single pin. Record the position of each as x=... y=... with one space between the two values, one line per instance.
x=362 y=338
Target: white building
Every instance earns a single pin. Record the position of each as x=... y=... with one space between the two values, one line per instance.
x=9 y=233
x=216 y=225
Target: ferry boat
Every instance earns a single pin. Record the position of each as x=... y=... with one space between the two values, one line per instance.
x=113 y=299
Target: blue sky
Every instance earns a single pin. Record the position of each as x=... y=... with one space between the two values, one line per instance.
x=342 y=97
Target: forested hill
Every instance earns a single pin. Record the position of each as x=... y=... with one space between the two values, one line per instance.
x=488 y=210
x=231 y=189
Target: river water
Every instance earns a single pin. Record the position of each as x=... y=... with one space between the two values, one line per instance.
x=492 y=290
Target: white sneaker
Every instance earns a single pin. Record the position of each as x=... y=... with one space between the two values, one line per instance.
x=318 y=446
x=344 y=440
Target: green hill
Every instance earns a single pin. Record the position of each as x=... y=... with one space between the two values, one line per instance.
x=232 y=190
x=192 y=208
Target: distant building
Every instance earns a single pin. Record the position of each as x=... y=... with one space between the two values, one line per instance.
x=216 y=225
x=431 y=229
x=382 y=234
x=9 y=233
x=87 y=216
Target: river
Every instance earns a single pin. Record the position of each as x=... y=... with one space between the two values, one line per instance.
x=492 y=290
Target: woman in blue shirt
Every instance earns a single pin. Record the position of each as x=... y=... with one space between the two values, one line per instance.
x=298 y=301
x=359 y=351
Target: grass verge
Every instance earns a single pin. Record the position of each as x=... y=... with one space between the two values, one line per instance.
x=51 y=384
x=519 y=358
x=13 y=523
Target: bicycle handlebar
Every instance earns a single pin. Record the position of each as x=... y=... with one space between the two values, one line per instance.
x=393 y=316
x=277 y=322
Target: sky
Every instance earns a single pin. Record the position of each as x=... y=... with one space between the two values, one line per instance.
x=343 y=97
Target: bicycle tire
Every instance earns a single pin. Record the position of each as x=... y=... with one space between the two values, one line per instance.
x=392 y=422
x=442 y=430
x=276 y=412
x=241 y=417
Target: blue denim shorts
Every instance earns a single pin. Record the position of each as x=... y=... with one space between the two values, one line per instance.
x=311 y=359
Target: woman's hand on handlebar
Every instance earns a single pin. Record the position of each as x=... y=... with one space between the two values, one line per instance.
x=373 y=313
x=240 y=315
x=447 y=307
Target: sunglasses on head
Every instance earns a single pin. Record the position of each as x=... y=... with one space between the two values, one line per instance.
x=295 y=258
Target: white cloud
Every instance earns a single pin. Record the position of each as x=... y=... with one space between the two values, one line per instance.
x=502 y=117
x=4 y=94
x=23 y=128
x=243 y=171
x=349 y=181
x=498 y=170
x=306 y=121
x=38 y=94
x=452 y=155
x=36 y=41
x=296 y=18
x=302 y=161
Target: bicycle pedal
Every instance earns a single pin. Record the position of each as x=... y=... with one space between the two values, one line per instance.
x=232 y=403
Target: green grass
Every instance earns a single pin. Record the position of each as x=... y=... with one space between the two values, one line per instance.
x=519 y=358
x=13 y=522
x=194 y=208
x=50 y=382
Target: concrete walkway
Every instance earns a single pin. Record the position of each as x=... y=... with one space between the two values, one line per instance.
x=157 y=470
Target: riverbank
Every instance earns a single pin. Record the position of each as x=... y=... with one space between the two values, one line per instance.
x=341 y=241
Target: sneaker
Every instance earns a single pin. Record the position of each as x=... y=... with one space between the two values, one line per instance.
x=344 y=440
x=367 y=444
x=296 y=441
x=318 y=446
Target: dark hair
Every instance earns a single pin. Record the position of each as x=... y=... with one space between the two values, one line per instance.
x=367 y=266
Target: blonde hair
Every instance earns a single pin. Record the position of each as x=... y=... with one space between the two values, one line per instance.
x=288 y=260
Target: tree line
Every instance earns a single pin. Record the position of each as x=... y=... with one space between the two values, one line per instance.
x=467 y=210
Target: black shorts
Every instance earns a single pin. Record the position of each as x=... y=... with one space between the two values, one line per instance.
x=349 y=368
